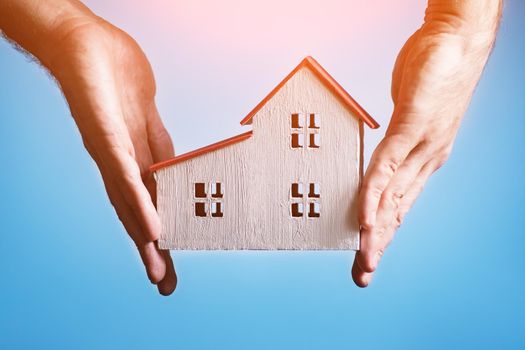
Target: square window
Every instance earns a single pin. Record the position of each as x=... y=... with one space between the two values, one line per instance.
x=216 y=209
x=297 y=210
x=216 y=190
x=315 y=140
x=208 y=203
x=297 y=190
x=200 y=190
x=315 y=210
x=313 y=121
x=314 y=191
x=200 y=209
x=297 y=140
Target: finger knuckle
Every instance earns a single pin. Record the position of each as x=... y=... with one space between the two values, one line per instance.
x=388 y=166
x=392 y=198
x=396 y=196
x=372 y=189
x=398 y=220
x=381 y=231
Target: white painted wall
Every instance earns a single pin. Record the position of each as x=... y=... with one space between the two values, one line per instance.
x=256 y=176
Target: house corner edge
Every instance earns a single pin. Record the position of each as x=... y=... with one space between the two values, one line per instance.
x=361 y=156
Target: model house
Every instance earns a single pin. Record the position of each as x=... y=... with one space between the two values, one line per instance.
x=291 y=182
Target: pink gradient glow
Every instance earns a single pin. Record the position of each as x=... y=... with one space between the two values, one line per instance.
x=215 y=60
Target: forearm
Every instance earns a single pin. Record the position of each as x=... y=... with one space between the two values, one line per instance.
x=474 y=20
x=450 y=49
x=40 y=26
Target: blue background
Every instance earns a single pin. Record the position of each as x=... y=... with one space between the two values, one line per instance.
x=454 y=276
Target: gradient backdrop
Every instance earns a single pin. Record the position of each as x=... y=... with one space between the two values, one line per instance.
x=70 y=277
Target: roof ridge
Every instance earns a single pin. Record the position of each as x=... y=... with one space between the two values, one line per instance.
x=329 y=82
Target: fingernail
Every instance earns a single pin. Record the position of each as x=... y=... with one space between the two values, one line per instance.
x=366 y=279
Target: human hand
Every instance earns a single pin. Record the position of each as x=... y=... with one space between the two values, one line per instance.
x=109 y=85
x=110 y=88
x=432 y=83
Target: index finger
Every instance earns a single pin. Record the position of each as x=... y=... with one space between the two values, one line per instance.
x=386 y=159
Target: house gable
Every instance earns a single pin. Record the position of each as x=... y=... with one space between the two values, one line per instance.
x=324 y=77
x=333 y=166
x=327 y=80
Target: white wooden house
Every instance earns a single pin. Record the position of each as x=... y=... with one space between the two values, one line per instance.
x=289 y=183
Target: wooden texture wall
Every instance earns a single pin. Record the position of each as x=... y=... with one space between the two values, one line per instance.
x=256 y=177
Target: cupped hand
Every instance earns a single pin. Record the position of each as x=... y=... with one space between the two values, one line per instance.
x=109 y=85
x=432 y=83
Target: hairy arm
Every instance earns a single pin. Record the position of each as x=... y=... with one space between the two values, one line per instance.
x=433 y=80
x=109 y=86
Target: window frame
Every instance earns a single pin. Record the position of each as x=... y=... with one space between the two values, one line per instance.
x=310 y=201
x=214 y=198
x=305 y=131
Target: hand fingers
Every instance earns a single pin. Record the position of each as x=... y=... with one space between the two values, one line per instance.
x=126 y=161
x=111 y=139
x=144 y=160
x=153 y=261
x=155 y=147
x=387 y=158
x=372 y=245
x=159 y=144
x=169 y=282
x=372 y=239
x=363 y=276
x=397 y=216
x=361 y=272
x=127 y=176
x=158 y=264
x=382 y=239
x=361 y=279
x=161 y=148
x=415 y=189
x=163 y=274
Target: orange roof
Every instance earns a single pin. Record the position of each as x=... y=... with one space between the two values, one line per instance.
x=319 y=71
x=198 y=152
x=329 y=82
